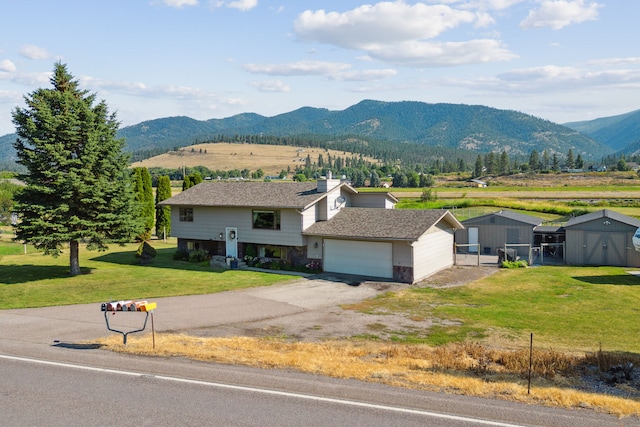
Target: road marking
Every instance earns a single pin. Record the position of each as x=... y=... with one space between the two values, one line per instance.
x=263 y=391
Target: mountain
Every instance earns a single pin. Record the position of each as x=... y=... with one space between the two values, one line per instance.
x=452 y=126
x=616 y=132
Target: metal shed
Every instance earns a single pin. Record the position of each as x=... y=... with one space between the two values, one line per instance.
x=494 y=230
x=602 y=238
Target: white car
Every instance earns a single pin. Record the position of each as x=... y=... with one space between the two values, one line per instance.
x=636 y=240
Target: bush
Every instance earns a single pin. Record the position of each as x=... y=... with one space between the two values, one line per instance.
x=515 y=264
x=181 y=255
x=198 y=255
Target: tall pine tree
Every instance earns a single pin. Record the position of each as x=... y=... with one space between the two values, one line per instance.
x=77 y=184
x=163 y=213
x=143 y=191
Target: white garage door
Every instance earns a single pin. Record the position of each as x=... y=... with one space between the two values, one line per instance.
x=362 y=258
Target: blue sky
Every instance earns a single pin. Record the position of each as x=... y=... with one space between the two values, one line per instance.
x=562 y=60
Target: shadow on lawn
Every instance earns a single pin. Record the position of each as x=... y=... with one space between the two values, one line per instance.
x=163 y=259
x=621 y=279
x=23 y=273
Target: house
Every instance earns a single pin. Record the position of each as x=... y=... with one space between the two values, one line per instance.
x=478 y=183
x=602 y=238
x=497 y=229
x=328 y=223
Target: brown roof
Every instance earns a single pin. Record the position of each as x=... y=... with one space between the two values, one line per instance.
x=381 y=224
x=296 y=195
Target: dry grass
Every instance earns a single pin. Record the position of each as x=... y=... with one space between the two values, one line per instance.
x=465 y=368
x=226 y=156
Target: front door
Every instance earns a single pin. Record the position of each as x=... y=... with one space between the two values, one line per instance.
x=232 y=241
x=473 y=239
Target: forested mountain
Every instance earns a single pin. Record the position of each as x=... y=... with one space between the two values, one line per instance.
x=621 y=132
x=394 y=126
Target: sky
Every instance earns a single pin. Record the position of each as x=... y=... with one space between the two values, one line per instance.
x=560 y=60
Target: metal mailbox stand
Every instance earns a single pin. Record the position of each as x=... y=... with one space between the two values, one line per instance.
x=124 y=334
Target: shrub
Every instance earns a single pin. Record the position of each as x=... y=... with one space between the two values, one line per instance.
x=198 y=255
x=515 y=264
x=181 y=255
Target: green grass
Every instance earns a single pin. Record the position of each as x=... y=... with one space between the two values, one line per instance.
x=574 y=308
x=35 y=280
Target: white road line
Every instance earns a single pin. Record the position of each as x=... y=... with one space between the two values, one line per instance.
x=263 y=391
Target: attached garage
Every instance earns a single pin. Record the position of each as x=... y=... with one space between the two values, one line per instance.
x=602 y=238
x=402 y=245
x=357 y=257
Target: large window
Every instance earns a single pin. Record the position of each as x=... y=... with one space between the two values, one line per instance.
x=186 y=214
x=266 y=220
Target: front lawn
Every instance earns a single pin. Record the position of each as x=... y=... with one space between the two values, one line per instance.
x=35 y=280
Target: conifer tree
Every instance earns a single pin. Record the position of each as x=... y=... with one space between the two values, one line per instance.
x=163 y=213
x=77 y=184
x=143 y=191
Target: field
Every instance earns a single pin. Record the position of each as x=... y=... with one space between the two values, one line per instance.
x=226 y=156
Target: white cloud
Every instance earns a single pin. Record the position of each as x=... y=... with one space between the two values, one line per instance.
x=180 y=3
x=270 y=86
x=7 y=66
x=243 y=5
x=385 y=22
x=34 y=52
x=300 y=68
x=364 y=75
x=442 y=54
x=558 y=14
x=399 y=33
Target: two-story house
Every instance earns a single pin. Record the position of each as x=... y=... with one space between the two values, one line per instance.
x=328 y=223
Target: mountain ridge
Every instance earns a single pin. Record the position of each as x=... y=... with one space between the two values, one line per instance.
x=477 y=128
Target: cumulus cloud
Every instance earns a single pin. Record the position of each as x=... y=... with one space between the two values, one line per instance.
x=270 y=86
x=34 y=52
x=402 y=33
x=7 y=66
x=442 y=54
x=364 y=75
x=557 y=14
x=243 y=5
x=180 y=3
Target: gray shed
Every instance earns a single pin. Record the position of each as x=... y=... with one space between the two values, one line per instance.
x=602 y=238
x=494 y=230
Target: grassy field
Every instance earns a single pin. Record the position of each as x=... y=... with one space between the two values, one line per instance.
x=566 y=308
x=35 y=280
x=226 y=156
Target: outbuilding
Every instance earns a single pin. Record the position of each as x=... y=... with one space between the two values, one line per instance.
x=602 y=238
x=495 y=230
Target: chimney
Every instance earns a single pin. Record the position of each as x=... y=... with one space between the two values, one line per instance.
x=328 y=183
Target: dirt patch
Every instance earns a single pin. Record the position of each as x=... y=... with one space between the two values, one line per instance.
x=324 y=318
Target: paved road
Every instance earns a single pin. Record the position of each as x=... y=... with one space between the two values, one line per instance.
x=92 y=386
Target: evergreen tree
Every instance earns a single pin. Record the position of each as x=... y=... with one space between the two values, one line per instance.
x=570 y=162
x=503 y=168
x=534 y=161
x=555 y=163
x=477 y=171
x=77 y=183
x=163 y=213
x=143 y=192
x=579 y=162
x=375 y=179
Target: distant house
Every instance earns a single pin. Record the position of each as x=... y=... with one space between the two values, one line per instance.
x=494 y=230
x=478 y=183
x=328 y=223
x=602 y=238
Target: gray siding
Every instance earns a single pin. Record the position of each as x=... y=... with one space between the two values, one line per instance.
x=208 y=223
x=603 y=241
x=495 y=234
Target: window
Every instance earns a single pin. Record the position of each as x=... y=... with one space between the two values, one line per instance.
x=266 y=220
x=186 y=214
x=271 y=252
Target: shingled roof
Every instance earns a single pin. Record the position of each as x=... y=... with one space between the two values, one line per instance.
x=604 y=213
x=381 y=224
x=295 y=195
